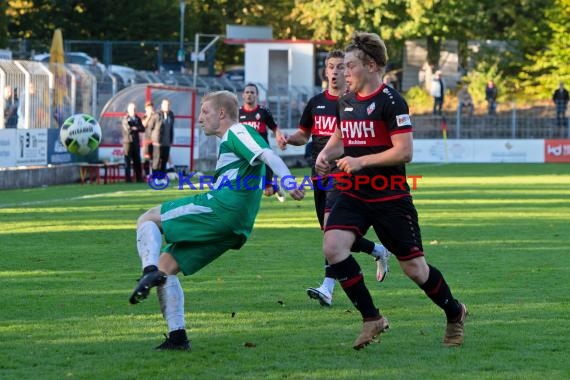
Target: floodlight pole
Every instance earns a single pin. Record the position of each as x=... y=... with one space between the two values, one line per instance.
x=198 y=53
x=181 y=47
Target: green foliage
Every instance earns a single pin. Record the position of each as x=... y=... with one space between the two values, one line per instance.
x=419 y=100
x=536 y=31
x=70 y=264
x=338 y=20
x=3 y=25
x=477 y=80
x=550 y=64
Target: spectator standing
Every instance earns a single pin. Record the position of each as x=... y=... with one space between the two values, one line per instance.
x=148 y=121
x=162 y=136
x=560 y=99
x=131 y=127
x=37 y=108
x=438 y=92
x=465 y=100
x=10 y=108
x=491 y=94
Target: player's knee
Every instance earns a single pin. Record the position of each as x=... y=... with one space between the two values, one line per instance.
x=168 y=264
x=152 y=215
x=416 y=269
x=334 y=251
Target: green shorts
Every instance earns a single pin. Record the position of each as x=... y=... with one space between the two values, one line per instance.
x=195 y=235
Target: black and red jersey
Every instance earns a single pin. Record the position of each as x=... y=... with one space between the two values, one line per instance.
x=367 y=124
x=319 y=117
x=259 y=118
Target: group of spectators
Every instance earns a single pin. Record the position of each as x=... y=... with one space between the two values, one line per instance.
x=465 y=100
x=157 y=128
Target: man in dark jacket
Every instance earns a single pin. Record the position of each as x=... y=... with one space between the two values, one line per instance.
x=162 y=136
x=10 y=108
x=131 y=127
x=491 y=94
x=560 y=99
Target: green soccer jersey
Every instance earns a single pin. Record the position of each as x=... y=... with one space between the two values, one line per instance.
x=238 y=177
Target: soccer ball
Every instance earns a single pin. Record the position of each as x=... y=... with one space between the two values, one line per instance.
x=80 y=134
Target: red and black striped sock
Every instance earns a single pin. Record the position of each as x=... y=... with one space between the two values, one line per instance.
x=329 y=272
x=362 y=245
x=350 y=277
x=438 y=291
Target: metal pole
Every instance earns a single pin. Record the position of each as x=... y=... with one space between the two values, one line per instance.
x=196 y=54
x=182 y=8
x=514 y=120
x=458 y=120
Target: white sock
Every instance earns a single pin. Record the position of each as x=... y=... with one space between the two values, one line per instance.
x=328 y=283
x=171 y=298
x=149 y=241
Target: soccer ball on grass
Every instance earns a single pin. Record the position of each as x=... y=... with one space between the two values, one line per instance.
x=80 y=134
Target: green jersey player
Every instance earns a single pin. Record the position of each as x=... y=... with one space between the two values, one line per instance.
x=199 y=228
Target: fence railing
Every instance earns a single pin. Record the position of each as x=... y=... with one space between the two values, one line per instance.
x=510 y=126
x=43 y=95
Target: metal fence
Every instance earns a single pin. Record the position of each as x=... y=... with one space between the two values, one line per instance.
x=513 y=125
x=42 y=95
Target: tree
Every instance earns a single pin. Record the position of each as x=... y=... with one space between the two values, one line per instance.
x=550 y=65
x=3 y=25
x=536 y=31
x=338 y=20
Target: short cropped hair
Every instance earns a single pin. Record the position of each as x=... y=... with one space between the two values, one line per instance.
x=334 y=54
x=370 y=46
x=224 y=99
x=252 y=85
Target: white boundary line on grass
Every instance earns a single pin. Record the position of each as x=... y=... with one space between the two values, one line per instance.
x=55 y=200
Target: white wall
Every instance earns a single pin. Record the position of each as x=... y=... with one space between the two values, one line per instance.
x=463 y=151
x=301 y=65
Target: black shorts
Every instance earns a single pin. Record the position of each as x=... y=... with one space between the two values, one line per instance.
x=395 y=223
x=326 y=194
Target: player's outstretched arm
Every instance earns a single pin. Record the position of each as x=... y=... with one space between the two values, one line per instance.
x=278 y=166
x=299 y=138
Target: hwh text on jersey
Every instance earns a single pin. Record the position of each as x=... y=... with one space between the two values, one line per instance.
x=254 y=124
x=324 y=125
x=360 y=132
x=357 y=129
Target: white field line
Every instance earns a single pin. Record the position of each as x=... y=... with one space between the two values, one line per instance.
x=56 y=200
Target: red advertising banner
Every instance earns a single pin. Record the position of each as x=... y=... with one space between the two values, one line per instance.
x=557 y=150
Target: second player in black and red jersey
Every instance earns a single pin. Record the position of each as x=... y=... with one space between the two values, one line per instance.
x=318 y=122
x=260 y=118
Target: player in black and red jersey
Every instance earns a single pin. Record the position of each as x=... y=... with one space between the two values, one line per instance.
x=318 y=122
x=373 y=140
x=260 y=118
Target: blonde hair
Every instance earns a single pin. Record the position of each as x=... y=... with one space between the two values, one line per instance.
x=224 y=99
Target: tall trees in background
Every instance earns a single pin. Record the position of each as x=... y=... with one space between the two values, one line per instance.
x=536 y=31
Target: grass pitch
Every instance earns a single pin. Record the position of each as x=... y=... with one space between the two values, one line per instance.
x=499 y=234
